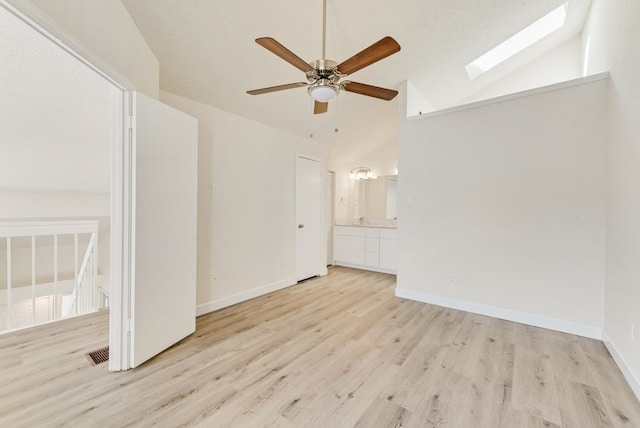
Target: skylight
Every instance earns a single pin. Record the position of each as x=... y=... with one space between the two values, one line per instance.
x=520 y=41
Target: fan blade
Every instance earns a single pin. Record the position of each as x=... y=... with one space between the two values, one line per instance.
x=377 y=51
x=369 y=90
x=276 y=88
x=284 y=53
x=319 y=108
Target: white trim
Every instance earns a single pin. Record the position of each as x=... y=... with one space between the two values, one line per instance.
x=129 y=240
x=508 y=97
x=632 y=380
x=564 y=326
x=120 y=236
x=214 y=305
x=363 y=267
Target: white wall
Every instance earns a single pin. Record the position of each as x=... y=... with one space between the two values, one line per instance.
x=612 y=42
x=383 y=160
x=502 y=208
x=103 y=32
x=558 y=65
x=246 y=234
x=417 y=104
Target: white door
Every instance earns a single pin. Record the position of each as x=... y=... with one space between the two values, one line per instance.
x=310 y=251
x=164 y=186
x=330 y=214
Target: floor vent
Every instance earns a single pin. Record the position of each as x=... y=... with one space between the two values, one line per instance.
x=98 y=356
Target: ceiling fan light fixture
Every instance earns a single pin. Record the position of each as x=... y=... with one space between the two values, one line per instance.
x=323 y=92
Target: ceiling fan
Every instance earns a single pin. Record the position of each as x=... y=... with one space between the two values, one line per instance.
x=323 y=75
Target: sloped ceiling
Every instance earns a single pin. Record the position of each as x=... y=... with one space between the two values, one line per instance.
x=207 y=52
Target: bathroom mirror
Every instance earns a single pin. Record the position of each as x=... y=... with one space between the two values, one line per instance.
x=375 y=198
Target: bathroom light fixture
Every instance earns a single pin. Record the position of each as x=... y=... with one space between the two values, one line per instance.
x=362 y=173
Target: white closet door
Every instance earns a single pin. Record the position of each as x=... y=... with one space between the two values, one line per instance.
x=310 y=251
x=163 y=293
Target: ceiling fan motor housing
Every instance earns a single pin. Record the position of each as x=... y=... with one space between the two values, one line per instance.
x=323 y=80
x=323 y=69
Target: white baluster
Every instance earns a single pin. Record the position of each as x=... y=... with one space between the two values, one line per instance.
x=55 y=277
x=94 y=287
x=9 y=309
x=33 y=280
x=75 y=271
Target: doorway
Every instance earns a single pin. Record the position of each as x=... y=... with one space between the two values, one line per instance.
x=56 y=133
x=131 y=127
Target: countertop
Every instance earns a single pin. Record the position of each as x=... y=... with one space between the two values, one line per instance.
x=383 y=226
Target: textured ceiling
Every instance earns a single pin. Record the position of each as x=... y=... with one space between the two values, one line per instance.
x=69 y=105
x=207 y=52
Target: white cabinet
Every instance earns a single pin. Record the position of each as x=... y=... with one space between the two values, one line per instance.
x=362 y=247
x=372 y=247
x=348 y=244
x=388 y=248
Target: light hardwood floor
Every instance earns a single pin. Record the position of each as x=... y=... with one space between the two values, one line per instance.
x=337 y=351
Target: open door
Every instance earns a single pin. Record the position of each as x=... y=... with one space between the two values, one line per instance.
x=163 y=194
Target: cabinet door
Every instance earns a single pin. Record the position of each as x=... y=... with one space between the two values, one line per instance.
x=348 y=249
x=388 y=253
x=373 y=245
x=372 y=259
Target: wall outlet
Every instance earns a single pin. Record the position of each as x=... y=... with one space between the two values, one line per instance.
x=452 y=279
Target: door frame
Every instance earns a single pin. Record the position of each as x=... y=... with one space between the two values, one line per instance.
x=322 y=268
x=121 y=238
x=331 y=213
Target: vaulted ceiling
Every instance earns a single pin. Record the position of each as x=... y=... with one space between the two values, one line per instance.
x=207 y=52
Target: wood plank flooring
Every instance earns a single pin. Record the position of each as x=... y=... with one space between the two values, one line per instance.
x=337 y=351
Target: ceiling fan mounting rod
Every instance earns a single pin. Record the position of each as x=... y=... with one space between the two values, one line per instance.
x=324 y=28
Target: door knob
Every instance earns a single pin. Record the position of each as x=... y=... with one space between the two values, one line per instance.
x=301 y=226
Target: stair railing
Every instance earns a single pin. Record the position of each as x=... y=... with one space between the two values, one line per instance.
x=84 y=296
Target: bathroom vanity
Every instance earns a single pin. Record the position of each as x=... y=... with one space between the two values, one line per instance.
x=365 y=247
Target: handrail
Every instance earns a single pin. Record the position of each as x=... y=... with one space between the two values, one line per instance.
x=46 y=228
x=87 y=262
x=83 y=267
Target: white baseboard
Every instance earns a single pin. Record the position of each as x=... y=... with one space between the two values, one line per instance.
x=214 y=305
x=632 y=380
x=505 y=314
x=364 y=267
